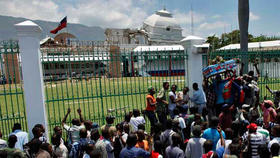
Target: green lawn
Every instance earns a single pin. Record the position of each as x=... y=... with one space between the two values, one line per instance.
x=94 y=96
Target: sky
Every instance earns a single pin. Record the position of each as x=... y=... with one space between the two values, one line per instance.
x=211 y=17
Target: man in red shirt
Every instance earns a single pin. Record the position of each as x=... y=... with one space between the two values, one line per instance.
x=151 y=106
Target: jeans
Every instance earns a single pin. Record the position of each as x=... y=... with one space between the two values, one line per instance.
x=200 y=108
x=162 y=117
x=152 y=117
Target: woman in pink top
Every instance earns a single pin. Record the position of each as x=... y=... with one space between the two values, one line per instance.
x=269 y=113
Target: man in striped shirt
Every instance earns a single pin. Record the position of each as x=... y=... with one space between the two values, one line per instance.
x=254 y=138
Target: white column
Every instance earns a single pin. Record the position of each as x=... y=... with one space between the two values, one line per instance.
x=29 y=43
x=194 y=63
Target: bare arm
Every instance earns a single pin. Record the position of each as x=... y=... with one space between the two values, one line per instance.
x=268 y=89
x=80 y=115
x=65 y=117
x=150 y=101
x=221 y=137
x=258 y=71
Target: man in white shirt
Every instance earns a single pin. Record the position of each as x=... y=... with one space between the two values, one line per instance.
x=3 y=143
x=172 y=100
x=74 y=130
x=198 y=98
x=136 y=120
x=276 y=134
x=22 y=137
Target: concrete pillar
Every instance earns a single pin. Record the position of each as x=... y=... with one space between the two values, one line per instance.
x=115 y=62
x=193 y=63
x=29 y=43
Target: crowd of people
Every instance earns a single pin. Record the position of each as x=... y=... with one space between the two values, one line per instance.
x=223 y=118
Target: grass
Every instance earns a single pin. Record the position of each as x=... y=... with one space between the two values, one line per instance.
x=94 y=96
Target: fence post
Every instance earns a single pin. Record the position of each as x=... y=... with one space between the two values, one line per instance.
x=29 y=43
x=194 y=64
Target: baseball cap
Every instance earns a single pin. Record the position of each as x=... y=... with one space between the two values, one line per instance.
x=252 y=126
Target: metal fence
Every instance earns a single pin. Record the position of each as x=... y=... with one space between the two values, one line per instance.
x=268 y=63
x=106 y=80
x=12 y=108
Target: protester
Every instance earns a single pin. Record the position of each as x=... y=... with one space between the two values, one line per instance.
x=45 y=151
x=136 y=120
x=195 y=145
x=198 y=98
x=59 y=149
x=11 y=151
x=3 y=143
x=151 y=106
x=212 y=132
x=254 y=139
x=173 y=150
x=162 y=104
x=22 y=137
x=131 y=151
x=73 y=131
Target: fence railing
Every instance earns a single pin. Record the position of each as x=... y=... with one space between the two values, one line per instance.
x=12 y=107
x=99 y=80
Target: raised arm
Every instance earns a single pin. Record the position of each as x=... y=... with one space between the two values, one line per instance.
x=270 y=91
x=65 y=117
x=221 y=136
x=80 y=115
x=258 y=71
x=241 y=69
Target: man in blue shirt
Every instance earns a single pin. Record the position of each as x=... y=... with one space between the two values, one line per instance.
x=131 y=151
x=212 y=132
x=22 y=137
x=198 y=98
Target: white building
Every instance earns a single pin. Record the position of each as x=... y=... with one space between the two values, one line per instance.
x=158 y=29
x=162 y=28
x=267 y=45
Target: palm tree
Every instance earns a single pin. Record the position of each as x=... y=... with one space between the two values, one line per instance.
x=243 y=19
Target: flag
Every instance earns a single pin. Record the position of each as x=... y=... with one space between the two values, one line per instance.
x=62 y=24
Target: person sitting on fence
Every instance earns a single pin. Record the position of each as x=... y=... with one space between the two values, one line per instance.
x=45 y=151
x=22 y=137
x=136 y=120
x=109 y=125
x=151 y=107
x=162 y=103
x=74 y=130
x=11 y=151
x=3 y=143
